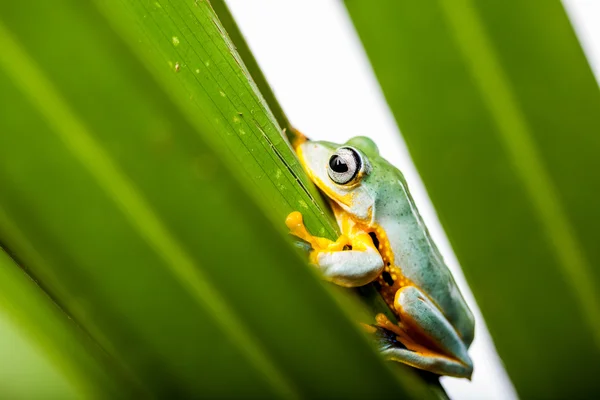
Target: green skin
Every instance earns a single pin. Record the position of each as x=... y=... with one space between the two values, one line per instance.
x=432 y=303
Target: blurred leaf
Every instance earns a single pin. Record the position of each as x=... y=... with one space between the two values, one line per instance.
x=44 y=355
x=133 y=196
x=500 y=112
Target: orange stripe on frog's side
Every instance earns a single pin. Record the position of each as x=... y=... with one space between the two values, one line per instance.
x=355 y=231
x=391 y=272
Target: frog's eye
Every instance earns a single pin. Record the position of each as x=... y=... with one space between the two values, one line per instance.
x=344 y=165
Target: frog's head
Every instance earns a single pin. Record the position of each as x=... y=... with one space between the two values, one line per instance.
x=342 y=172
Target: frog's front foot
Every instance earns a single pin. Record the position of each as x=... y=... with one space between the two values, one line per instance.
x=348 y=261
x=319 y=245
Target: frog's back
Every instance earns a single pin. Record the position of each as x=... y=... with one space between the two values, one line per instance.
x=416 y=255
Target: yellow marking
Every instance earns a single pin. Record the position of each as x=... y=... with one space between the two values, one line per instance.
x=297 y=138
x=384 y=322
x=357 y=233
x=319 y=245
x=368 y=328
x=404 y=337
x=344 y=199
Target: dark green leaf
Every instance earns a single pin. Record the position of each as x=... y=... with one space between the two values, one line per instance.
x=44 y=354
x=130 y=211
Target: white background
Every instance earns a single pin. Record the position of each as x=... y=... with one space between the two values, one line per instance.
x=314 y=62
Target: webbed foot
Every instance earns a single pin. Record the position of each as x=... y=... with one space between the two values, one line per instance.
x=431 y=342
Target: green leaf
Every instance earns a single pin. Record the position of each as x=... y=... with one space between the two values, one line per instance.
x=44 y=354
x=142 y=212
x=499 y=110
x=187 y=40
x=250 y=63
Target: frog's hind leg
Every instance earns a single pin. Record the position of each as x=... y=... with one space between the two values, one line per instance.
x=436 y=363
x=435 y=346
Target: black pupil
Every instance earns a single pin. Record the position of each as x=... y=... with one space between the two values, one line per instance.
x=337 y=164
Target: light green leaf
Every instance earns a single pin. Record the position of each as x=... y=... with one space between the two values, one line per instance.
x=44 y=354
x=500 y=112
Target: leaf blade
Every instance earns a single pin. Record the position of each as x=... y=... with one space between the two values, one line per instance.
x=45 y=353
x=92 y=156
x=60 y=191
x=431 y=80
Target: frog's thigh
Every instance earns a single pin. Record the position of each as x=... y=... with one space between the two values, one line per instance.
x=350 y=268
x=419 y=313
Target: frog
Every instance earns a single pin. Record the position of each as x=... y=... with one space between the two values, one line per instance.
x=384 y=242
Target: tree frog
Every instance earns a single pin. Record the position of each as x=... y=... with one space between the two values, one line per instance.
x=385 y=241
